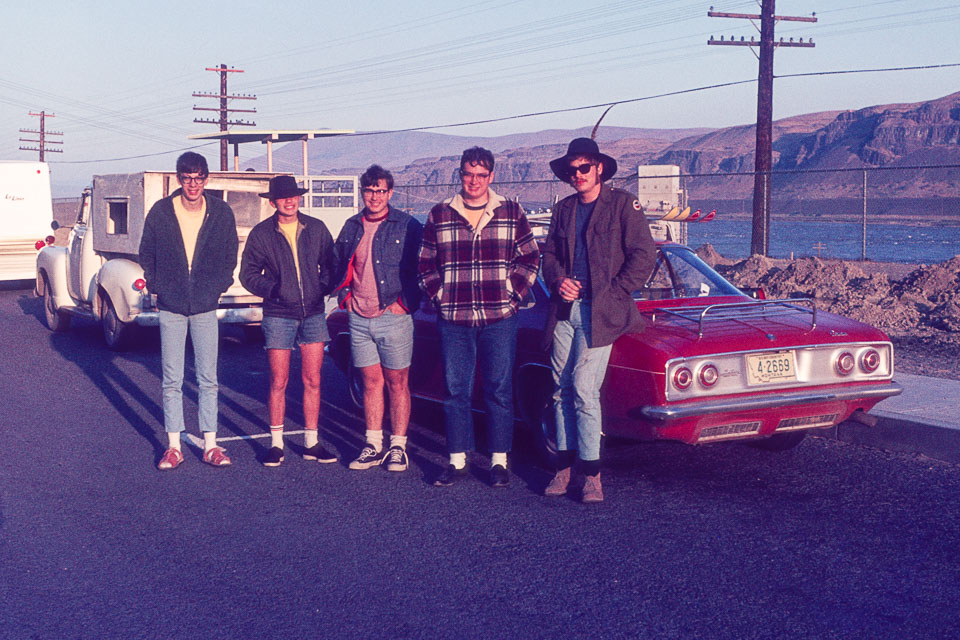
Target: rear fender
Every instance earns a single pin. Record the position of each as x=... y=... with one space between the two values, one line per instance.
x=116 y=278
x=52 y=263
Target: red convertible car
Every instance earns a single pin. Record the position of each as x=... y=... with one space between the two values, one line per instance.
x=713 y=363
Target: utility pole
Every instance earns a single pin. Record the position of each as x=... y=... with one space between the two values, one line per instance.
x=42 y=136
x=760 y=238
x=224 y=119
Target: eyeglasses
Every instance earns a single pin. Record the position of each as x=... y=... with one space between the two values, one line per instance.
x=580 y=168
x=192 y=179
x=466 y=175
x=367 y=191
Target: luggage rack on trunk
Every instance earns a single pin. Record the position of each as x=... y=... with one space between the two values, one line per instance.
x=740 y=311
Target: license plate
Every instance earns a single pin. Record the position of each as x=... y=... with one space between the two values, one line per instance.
x=764 y=368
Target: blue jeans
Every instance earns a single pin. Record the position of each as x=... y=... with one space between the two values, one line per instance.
x=578 y=372
x=205 y=336
x=494 y=349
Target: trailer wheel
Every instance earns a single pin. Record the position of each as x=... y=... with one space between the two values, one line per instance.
x=116 y=333
x=535 y=402
x=55 y=319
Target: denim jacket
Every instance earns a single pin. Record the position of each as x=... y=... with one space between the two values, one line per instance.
x=395 y=249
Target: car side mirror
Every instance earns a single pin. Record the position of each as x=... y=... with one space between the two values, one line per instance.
x=54 y=225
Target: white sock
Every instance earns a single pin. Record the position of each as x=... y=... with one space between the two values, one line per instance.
x=375 y=438
x=276 y=436
x=173 y=438
x=398 y=441
x=209 y=440
x=458 y=460
x=310 y=437
x=499 y=458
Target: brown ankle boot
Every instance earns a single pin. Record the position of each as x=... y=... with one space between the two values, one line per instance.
x=592 y=491
x=558 y=485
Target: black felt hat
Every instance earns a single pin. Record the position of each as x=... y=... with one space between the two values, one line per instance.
x=283 y=187
x=583 y=147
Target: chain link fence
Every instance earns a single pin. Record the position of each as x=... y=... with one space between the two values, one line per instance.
x=888 y=214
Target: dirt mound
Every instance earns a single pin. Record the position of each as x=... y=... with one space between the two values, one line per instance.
x=926 y=302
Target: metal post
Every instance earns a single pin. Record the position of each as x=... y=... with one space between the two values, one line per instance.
x=863 y=219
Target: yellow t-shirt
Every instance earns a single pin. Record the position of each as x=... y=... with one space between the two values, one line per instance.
x=190 y=222
x=289 y=230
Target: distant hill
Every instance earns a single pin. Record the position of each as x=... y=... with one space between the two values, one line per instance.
x=884 y=136
x=397 y=150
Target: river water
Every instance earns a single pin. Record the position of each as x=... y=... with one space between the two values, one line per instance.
x=885 y=242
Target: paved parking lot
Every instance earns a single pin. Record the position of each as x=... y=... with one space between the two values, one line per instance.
x=828 y=540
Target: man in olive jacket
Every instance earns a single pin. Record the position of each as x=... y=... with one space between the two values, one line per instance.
x=188 y=251
x=598 y=251
x=288 y=261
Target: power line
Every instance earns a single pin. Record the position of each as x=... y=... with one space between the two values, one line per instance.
x=587 y=107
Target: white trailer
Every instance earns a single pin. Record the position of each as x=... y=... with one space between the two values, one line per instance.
x=26 y=212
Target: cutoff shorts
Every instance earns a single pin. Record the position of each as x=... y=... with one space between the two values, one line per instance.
x=386 y=340
x=287 y=333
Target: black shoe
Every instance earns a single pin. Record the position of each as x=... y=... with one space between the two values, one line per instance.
x=273 y=457
x=318 y=453
x=450 y=475
x=369 y=457
x=396 y=459
x=499 y=476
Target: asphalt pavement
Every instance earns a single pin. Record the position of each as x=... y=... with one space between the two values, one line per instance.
x=830 y=539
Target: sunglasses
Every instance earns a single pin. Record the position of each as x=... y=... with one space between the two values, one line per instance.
x=580 y=168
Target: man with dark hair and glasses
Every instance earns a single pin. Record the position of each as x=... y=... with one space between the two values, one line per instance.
x=597 y=253
x=478 y=259
x=188 y=251
x=377 y=274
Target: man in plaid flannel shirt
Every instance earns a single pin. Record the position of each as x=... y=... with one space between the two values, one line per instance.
x=478 y=259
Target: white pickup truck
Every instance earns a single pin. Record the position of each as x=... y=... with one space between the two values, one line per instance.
x=97 y=274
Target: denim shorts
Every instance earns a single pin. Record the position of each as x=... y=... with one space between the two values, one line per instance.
x=386 y=340
x=287 y=333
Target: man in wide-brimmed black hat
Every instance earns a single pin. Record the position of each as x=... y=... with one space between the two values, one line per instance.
x=288 y=261
x=598 y=251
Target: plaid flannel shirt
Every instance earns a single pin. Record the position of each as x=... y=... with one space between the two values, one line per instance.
x=477 y=276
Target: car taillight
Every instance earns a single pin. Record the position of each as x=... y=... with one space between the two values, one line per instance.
x=682 y=378
x=49 y=240
x=845 y=363
x=40 y=244
x=709 y=375
x=869 y=361
x=139 y=284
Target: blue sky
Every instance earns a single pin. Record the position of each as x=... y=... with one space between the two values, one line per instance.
x=119 y=76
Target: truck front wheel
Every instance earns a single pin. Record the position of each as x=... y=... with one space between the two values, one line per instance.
x=116 y=333
x=55 y=319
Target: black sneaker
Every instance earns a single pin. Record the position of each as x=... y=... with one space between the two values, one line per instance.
x=450 y=475
x=499 y=476
x=273 y=457
x=396 y=459
x=318 y=453
x=369 y=457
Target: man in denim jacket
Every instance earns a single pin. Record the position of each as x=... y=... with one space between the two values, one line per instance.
x=377 y=275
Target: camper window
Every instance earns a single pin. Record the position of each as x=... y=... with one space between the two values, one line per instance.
x=117 y=218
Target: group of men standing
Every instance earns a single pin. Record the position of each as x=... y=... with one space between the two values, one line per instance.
x=474 y=261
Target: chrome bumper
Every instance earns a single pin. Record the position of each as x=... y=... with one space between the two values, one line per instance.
x=708 y=407
x=242 y=315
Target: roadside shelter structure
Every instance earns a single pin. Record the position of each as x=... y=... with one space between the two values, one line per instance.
x=333 y=199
